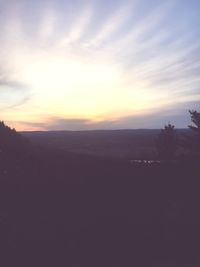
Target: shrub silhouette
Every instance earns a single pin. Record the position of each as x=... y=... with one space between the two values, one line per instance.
x=166 y=143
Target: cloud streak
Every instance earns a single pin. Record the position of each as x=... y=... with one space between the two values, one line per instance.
x=177 y=114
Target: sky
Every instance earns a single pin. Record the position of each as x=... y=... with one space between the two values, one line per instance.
x=99 y=64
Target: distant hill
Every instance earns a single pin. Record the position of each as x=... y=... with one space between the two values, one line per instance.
x=130 y=144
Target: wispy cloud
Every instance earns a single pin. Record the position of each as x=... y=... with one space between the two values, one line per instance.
x=80 y=25
x=112 y=25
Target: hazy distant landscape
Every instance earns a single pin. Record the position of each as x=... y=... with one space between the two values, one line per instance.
x=124 y=144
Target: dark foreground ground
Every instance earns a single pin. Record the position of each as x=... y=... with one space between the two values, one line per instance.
x=64 y=209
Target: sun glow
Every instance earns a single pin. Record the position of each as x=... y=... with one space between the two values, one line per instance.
x=72 y=86
x=75 y=85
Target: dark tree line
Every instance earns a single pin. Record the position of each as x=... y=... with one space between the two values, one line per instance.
x=10 y=139
x=167 y=142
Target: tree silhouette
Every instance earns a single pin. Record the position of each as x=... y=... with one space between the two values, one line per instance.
x=195 y=118
x=167 y=143
x=10 y=140
x=192 y=142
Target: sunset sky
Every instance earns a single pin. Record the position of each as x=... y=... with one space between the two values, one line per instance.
x=99 y=64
